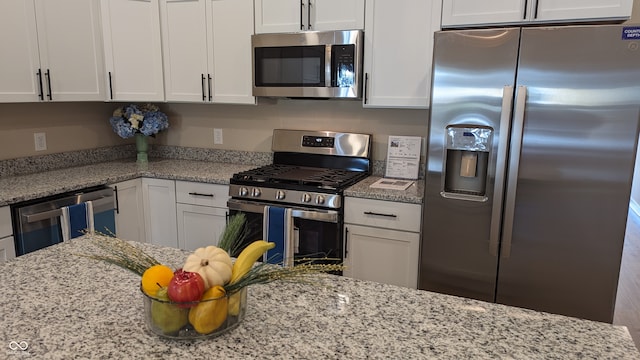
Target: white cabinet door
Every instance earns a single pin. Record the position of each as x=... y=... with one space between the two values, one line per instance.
x=274 y=16
x=199 y=226
x=7 y=246
x=71 y=50
x=47 y=57
x=382 y=255
x=470 y=12
x=207 y=50
x=474 y=13
x=230 y=27
x=129 y=210
x=398 y=54
x=7 y=249
x=133 y=52
x=159 y=199
x=582 y=9
x=337 y=14
x=19 y=58
x=184 y=49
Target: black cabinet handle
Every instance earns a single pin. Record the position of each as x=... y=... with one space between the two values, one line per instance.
x=200 y=194
x=380 y=214
x=366 y=86
x=110 y=87
x=309 y=16
x=203 y=95
x=535 y=13
x=346 y=242
x=115 y=190
x=524 y=16
x=48 y=75
x=210 y=96
x=40 y=89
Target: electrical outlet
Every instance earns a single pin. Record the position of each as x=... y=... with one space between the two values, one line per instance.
x=217 y=136
x=40 y=140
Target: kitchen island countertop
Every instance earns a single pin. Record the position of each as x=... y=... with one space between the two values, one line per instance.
x=66 y=306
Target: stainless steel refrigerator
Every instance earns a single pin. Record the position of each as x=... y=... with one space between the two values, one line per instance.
x=531 y=149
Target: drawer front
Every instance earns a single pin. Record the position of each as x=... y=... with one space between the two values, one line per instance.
x=384 y=214
x=5 y=222
x=202 y=194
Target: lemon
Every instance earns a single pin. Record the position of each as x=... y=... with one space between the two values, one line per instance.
x=156 y=277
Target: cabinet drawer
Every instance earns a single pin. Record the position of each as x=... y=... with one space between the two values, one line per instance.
x=384 y=214
x=202 y=194
x=5 y=222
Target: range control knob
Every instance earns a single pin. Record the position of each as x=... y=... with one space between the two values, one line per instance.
x=243 y=191
x=255 y=192
x=280 y=195
x=320 y=199
x=306 y=197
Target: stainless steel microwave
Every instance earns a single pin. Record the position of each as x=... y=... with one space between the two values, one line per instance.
x=311 y=64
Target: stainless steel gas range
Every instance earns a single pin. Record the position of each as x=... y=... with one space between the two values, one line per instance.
x=297 y=201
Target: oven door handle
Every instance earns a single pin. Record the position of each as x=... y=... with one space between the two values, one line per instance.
x=99 y=205
x=307 y=214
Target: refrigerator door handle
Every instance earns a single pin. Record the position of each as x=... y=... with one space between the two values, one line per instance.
x=512 y=176
x=498 y=188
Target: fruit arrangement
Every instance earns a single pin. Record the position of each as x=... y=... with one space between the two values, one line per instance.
x=193 y=298
x=208 y=294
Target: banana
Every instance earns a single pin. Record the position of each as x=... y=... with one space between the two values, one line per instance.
x=247 y=257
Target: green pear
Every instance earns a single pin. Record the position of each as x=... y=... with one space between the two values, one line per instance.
x=168 y=317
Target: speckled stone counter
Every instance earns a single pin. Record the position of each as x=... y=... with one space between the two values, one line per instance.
x=63 y=306
x=413 y=194
x=14 y=189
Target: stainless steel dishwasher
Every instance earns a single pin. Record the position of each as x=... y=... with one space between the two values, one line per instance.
x=37 y=223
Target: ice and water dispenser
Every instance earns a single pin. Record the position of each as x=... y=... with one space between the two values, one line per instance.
x=466 y=160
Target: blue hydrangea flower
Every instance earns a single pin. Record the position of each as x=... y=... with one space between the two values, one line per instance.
x=131 y=119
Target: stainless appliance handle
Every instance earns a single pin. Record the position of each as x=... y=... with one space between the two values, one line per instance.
x=308 y=214
x=512 y=176
x=498 y=188
x=99 y=205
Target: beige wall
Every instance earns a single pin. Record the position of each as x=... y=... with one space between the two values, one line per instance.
x=75 y=126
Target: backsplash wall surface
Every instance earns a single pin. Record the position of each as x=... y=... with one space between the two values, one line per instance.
x=79 y=126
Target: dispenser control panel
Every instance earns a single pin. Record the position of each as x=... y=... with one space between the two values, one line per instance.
x=469 y=138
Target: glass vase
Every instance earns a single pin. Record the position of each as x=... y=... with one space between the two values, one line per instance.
x=142 y=146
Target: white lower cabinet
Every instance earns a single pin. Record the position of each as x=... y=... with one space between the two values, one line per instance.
x=7 y=247
x=159 y=203
x=129 y=210
x=201 y=213
x=382 y=241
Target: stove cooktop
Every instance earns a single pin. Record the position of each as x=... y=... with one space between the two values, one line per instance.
x=320 y=178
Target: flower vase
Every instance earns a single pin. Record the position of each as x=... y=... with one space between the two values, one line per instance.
x=142 y=146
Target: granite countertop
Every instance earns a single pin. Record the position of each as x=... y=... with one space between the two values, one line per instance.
x=65 y=306
x=14 y=189
x=413 y=194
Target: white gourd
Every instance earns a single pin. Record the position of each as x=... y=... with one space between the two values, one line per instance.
x=212 y=263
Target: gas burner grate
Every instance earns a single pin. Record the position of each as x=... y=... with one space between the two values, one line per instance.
x=313 y=177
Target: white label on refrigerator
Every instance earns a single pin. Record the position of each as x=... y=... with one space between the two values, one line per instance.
x=403 y=157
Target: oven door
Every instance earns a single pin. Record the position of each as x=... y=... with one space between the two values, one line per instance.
x=316 y=233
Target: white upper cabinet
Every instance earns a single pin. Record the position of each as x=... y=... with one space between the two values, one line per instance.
x=206 y=46
x=397 y=54
x=133 y=52
x=481 y=13
x=274 y=16
x=48 y=57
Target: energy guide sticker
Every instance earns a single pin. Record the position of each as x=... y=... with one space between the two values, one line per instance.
x=631 y=33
